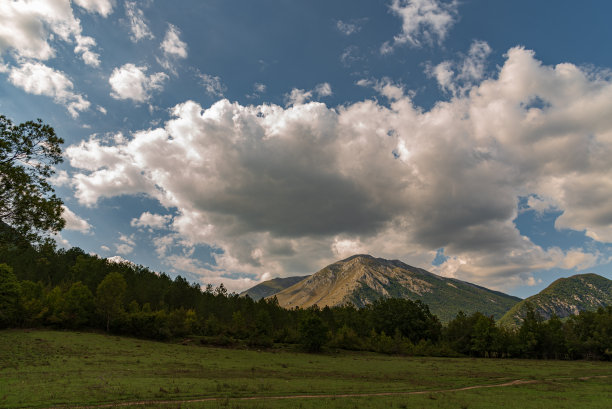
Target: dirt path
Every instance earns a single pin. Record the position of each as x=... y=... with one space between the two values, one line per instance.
x=344 y=395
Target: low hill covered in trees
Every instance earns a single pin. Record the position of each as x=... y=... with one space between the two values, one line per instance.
x=565 y=297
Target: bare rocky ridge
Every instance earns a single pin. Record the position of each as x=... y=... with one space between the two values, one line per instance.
x=361 y=279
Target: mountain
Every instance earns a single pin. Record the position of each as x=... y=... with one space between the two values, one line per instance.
x=565 y=297
x=361 y=279
x=271 y=287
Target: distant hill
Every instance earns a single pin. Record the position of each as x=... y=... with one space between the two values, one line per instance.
x=565 y=297
x=361 y=279
x=271 y=287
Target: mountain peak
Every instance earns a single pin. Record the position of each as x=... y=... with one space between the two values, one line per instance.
x=358 y=256
x=369 y=259
x=362 y=279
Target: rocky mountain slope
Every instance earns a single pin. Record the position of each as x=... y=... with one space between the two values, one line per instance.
x=271 y=287
x=565 y=297
x=361 y=279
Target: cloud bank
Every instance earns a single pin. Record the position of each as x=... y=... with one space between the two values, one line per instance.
x=285 y=190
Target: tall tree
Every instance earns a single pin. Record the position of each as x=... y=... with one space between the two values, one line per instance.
x=28 y=152
x=485 y=334
x=109 y=297
x=9 y=297
x=313 y=332
x=78 y=305
x=531 y=332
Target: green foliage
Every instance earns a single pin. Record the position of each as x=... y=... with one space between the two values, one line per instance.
x=589 y=334
x=109 y=297
x=78 y=306
x=313 y=333
x=458 y=333
x=485 y=335
x=31 y=302
x=10 y=292
x=28 y=152
x=261 y=335
x=412 y=319
x=347 y=338
x=72 y=308
x=531 y=332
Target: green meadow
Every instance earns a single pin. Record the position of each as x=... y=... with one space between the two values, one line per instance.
x=43 y=369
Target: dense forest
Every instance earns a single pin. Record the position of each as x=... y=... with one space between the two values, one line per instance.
x=42 y=286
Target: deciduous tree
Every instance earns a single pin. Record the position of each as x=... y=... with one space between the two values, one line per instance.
x=9 y=297
x=28 y=152
x=109 y=297
x=313 y=333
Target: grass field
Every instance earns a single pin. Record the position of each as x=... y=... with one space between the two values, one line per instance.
x=41 y=369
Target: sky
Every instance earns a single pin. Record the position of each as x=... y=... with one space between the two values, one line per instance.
x=236 y=141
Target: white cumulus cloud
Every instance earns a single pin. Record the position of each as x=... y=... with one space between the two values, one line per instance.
x=102 y=7
x=172 y=44
x=173 y=48
x=131 y=82
x=351 y=55
x=458 y=77
x=300 y=96
x=126 y=244
x=423 y=21
x=119 y=259
x=28 y=26
x=74 y=222
x=259 y=88
x=348 y=28
x=212 y=84
x=385 y=87
x=38 y=79
x=323 y=89
x=138 y=24
x=151 y=221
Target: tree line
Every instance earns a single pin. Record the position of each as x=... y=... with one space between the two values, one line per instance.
x=41 y=286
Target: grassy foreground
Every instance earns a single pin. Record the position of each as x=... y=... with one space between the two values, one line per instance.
x=41 y=369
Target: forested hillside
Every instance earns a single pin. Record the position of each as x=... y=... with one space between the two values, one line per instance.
x=565 y=297
x=47 y=287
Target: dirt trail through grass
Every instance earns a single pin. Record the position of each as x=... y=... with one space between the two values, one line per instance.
x=515 y=382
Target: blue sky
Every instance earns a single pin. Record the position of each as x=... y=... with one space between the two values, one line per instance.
x=239 y=141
